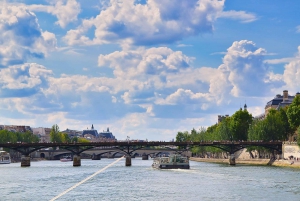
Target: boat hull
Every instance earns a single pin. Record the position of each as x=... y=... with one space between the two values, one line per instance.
x=171 y=166
x=65 y=160
x=5 y=162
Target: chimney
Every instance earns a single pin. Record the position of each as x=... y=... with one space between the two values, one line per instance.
x=285 y=95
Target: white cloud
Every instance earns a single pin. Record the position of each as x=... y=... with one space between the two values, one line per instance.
x=243 y=16
x=21 y=36
x=245 y=68
x=23 y=80
x=66 y=11
x=291 y=75
x=155 y=22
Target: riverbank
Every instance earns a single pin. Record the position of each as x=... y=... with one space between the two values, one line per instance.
x=277 y=163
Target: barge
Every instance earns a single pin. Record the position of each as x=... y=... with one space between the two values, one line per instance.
x=174 y=161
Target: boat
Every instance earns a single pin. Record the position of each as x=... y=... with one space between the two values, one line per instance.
x=66 y=159
x=4 y=157
x=174 y=161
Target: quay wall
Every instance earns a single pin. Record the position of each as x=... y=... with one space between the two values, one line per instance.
x=277 y=163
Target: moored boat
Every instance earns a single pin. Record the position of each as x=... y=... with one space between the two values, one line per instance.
x=4 y=157
x=66 y=159
x=174 y=161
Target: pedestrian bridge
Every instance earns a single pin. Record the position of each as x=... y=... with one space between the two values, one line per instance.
x=130 y=148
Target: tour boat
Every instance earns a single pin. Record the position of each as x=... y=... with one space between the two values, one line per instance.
x=4 y=157
x=174 y=161
x=66 y=159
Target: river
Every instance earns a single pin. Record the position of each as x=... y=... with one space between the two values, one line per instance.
x=45 y=180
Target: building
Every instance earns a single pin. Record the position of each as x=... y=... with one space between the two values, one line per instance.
x=280 y=101
x=42 y=133
x=107 y=135
x=91 y=131
x=72 y=133
x=16 y=128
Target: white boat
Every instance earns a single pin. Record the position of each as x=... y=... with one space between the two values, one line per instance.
x=174 y=161
x=4 y=157
x=66 y=159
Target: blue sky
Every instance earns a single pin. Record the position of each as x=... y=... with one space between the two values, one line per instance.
x=146 y=69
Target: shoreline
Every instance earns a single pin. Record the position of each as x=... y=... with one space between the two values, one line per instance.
x=264 y=162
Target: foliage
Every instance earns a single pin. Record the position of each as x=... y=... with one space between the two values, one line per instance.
x=182 y=136
x=293 y=113
x=57 y=136
x=13 y=137
x=83 y=140
x=268 y=129
x=239 y=124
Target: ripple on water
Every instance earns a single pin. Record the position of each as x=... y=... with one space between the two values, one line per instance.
x=204 y=181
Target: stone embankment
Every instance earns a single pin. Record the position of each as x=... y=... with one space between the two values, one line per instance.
x=278 y=163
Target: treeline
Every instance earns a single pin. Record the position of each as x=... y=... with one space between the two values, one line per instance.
x=277 y=125
x=59 y=137
x=14 y=137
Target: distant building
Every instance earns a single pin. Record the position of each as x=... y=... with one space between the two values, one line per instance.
x=72 y=133
x=16 y=128
x=91 y=131
x=107 y=134
x=280 y=101
x=42 y=133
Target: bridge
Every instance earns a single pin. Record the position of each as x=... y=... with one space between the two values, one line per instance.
x=101 y=152
x=128 y=148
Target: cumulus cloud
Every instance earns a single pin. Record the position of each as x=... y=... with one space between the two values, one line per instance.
x=291 y=75
x=145 y=62
x=154 y=22
x=21 y=36
x=66 y=11
x=244 y=69
x=23 y=80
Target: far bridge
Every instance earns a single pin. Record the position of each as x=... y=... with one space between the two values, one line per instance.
x=128 y=148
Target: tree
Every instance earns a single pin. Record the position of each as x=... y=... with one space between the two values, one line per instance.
x=293 y=113
x=182 y=136
x=239 y=124
x=224 y=131
x=54 y=134
x=288 y=130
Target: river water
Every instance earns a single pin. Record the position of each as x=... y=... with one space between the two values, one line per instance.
x=45 y=180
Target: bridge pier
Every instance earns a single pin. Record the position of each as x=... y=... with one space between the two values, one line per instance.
x=232 y=159
x=145 y=157
x=128 y=161
x=76 y=160
x=25 y=161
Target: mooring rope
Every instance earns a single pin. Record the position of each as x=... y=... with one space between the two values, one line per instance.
x=99 y=171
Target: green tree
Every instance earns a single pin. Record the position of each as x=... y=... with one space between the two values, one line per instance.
x=288 y=130
x=182 y=136
x=293 y=113
x=83 y=140
x=239 y=124
x=55 y=134
x=224 y=131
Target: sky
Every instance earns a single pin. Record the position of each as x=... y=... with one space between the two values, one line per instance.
x=144 y=68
